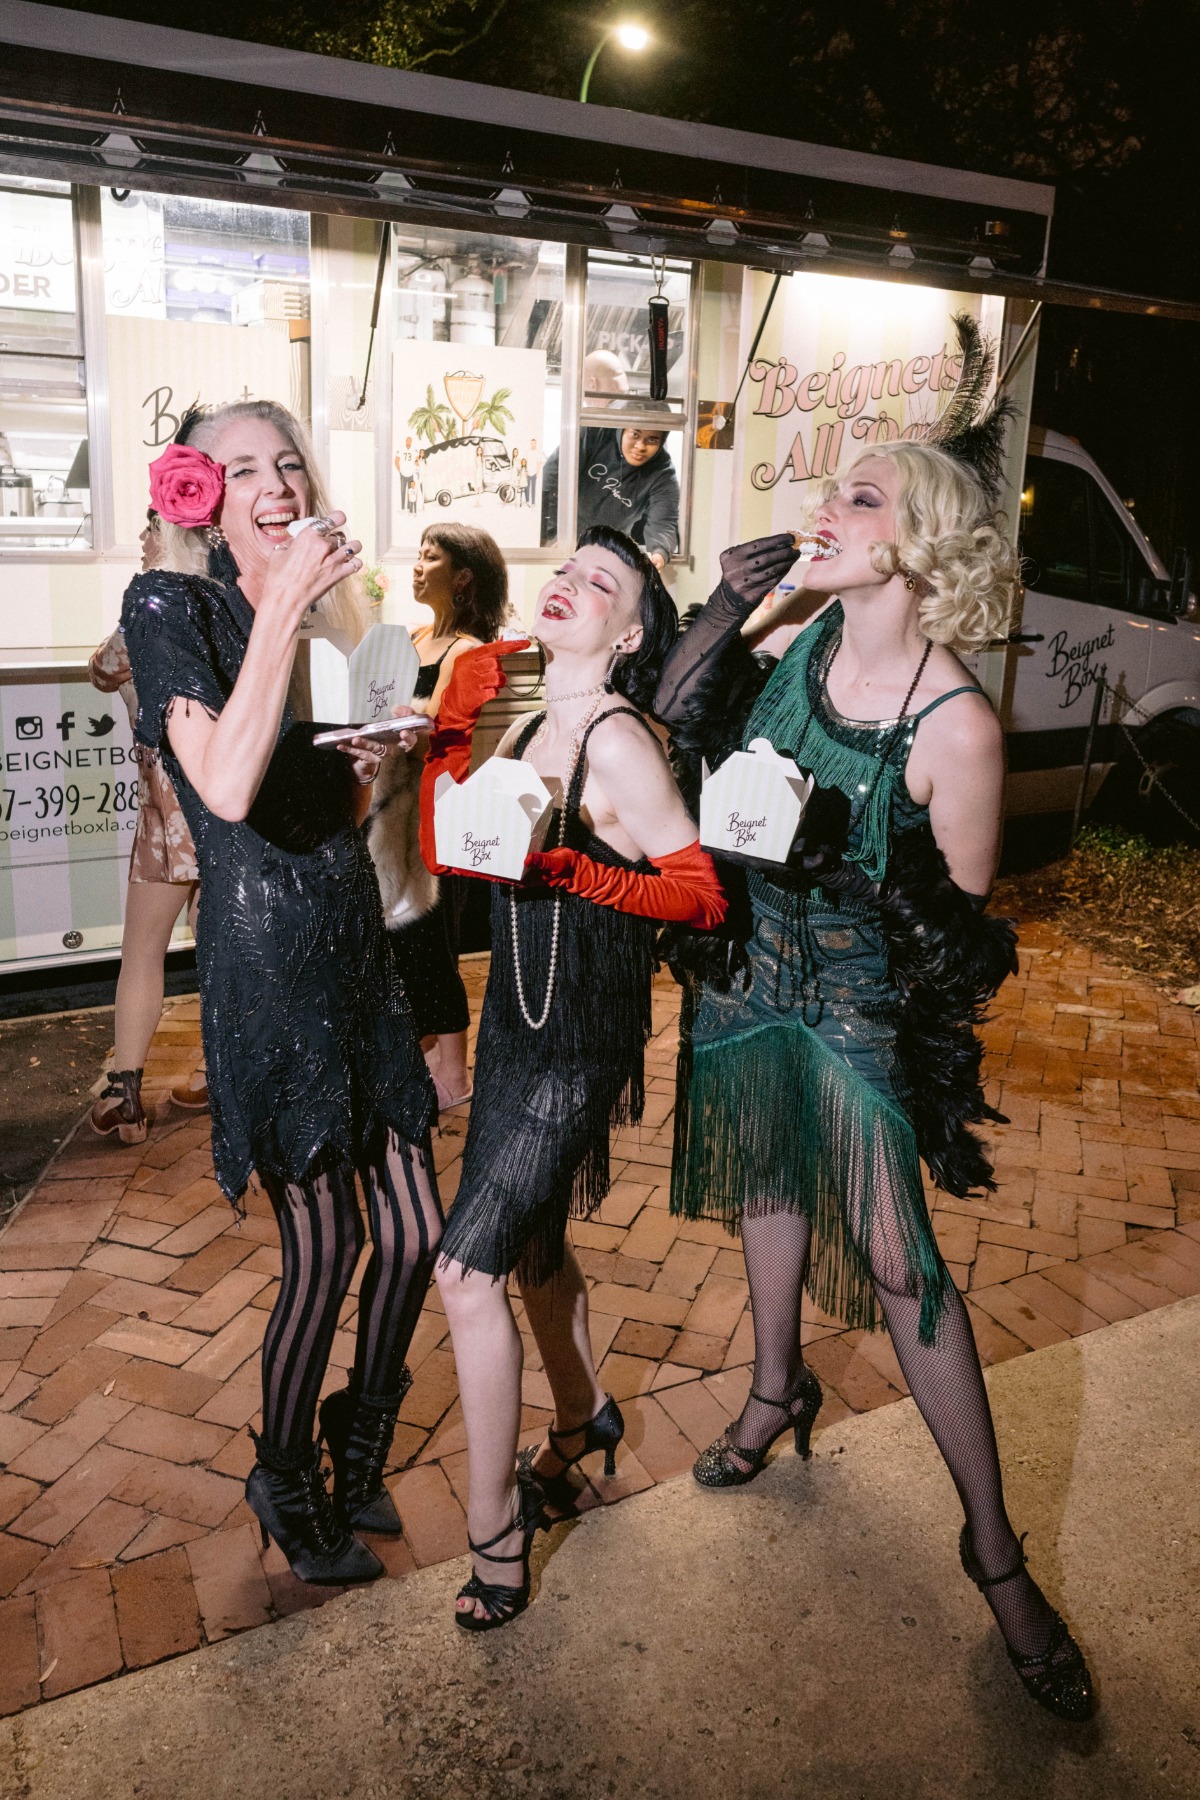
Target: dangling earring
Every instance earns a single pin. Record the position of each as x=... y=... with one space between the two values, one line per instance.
x=910 y=581
x=216 y=537
x=608 y=678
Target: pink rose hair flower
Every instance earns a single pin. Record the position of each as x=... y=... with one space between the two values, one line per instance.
x=186 y=486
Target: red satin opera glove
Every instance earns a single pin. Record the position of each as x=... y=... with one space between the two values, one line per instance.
x=686 y=886
x=475 y=679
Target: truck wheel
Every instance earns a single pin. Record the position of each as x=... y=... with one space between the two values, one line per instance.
x=1138 y=798
x=444 y=497
x=507 y=493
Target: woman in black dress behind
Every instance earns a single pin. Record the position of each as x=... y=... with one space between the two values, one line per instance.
x=459 y=573
x=314 y=1069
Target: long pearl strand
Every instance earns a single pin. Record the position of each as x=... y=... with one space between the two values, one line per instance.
x=577 y=735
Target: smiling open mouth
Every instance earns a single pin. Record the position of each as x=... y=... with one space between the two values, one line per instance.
x=275 y=524
x=557 y=608
x=816 y=546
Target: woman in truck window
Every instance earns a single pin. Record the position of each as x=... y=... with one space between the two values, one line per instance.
x=832 y=1044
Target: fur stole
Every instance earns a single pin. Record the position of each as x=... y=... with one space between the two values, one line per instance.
x=407 y=887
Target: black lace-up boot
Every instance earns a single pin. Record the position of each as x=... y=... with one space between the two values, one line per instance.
x=357 y=1430
x=285 y=1492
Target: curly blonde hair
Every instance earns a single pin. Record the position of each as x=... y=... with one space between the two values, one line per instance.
x=187 y=550
x=951 y=538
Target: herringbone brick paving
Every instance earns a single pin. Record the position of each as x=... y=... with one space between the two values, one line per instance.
x=132 y=1309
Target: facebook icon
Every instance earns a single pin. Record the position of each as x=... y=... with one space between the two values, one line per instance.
x=66 y=725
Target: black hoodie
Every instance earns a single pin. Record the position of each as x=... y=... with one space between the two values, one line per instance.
x=642 y=501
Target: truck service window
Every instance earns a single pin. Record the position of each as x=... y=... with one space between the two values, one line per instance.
x=45 y=500
x=476 y=381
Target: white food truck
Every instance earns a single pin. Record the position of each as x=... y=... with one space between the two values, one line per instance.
x=440 y=275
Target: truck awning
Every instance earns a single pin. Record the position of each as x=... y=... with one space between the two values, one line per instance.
x=109 y=102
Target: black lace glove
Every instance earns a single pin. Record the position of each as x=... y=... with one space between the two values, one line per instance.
x=752 y=570
x=748 y=573
x=817 y=858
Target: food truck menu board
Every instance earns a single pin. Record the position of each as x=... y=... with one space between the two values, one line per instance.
x=68 y=812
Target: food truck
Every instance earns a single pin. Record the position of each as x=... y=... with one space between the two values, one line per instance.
x=452 y=284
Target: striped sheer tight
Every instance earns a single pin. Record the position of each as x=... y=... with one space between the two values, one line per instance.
x=322 y=1235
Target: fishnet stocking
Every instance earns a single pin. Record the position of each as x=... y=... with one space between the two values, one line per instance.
x=945 y=1380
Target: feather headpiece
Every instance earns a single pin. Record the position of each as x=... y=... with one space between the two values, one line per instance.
x=970 y=429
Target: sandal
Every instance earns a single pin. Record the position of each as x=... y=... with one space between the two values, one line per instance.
x=500 y=1602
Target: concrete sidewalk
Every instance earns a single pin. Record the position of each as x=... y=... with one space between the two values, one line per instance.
x=812 y=1635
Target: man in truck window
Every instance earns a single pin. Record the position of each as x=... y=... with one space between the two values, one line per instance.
x=627 y=481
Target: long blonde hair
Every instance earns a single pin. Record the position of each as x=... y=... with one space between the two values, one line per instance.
x=186 y=550
x=950 y=536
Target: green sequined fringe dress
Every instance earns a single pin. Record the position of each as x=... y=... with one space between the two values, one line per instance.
x=789 y=1092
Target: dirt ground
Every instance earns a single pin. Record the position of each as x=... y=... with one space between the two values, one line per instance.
x=47 y=1067
x=1139 y=905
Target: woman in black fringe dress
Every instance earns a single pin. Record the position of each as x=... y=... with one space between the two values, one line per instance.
x=562 y=1036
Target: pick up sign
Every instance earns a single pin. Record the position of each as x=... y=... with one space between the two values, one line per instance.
x=488 y=824
x=364 y=685
x=751 y=808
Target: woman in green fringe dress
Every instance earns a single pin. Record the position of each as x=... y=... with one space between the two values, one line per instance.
x=807 y=1057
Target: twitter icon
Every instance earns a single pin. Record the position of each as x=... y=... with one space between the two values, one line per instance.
x=100 y=727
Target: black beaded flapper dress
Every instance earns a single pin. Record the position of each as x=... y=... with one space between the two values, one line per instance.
x=537 y=1149
x=308 y=1039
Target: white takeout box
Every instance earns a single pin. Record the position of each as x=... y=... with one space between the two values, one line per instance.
x=488 y=823
x=363 y=685
x=751 y=808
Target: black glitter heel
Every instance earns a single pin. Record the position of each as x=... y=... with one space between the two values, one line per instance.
x=725 y=1464
x=1057 y=1677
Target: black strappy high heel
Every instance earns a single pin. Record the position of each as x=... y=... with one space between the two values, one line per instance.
x=502 y=1604
x=1057 y=1677
x=602 y=1432
x=726 y=1464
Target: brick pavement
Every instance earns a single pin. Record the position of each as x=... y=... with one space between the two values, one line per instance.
x=132 y=1309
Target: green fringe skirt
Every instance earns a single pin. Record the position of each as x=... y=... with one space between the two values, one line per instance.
x=785 y=1103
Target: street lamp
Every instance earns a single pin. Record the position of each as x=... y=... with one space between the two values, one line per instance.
x=629 y=36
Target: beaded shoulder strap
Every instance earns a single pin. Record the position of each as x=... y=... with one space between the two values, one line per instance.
x=578 y=773
x=525 y=736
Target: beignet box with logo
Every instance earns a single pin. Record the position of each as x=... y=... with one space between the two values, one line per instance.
x=357 y=686
x=488 y=824
x=751 y=807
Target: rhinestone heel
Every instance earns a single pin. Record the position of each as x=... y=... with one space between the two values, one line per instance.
x=725 y=1464
x=501 y=1604
x=604 y=1432
x=1058 y=1677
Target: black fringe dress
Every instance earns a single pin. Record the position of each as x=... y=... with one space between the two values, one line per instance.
x=537 y=1144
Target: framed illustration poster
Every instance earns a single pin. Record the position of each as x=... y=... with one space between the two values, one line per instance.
x=467 y=429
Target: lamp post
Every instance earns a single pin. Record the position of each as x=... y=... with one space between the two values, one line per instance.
x=630 y=37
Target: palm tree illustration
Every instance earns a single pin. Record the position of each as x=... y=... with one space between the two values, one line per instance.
x=493 y=414
x=433 y=420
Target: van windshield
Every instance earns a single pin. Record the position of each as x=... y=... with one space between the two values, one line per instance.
x=1073 y=544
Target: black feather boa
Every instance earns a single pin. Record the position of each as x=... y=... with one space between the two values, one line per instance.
x=947 y=958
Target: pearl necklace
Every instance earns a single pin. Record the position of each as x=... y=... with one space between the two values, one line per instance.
x=582 y=694
x=577 y=735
